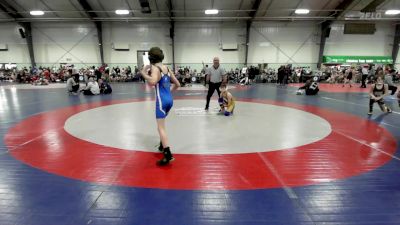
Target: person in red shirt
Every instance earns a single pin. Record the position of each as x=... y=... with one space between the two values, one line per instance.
x=46 y=74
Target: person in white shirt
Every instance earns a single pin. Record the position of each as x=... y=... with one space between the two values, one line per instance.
x=216 y=76
x=92 y=88
x=2 y=77
x=244 y=77
x=364 y=76
x=73 y=84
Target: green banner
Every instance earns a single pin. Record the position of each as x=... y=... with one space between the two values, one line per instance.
x=357 y=59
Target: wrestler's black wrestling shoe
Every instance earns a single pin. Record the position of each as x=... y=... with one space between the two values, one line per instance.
x=167 y=157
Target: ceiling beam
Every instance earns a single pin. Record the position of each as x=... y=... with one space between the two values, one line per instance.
x=326 y=27
x=129 y=6
x=323 y=8
x=170 y=9
x=10 y=10
x=88 y=9
x=102 y=7
x=196 y=19
x=268 y=6
x=254 y=8
x=240 y=6
x=17 y=5
x=145 y=5
x=99 y=26
x=297 y=6
x=371 y=7
x=252 y=14
x=342 y=7
x=382 y=6
x=72 y=2
x=155 y=2
x=48 y=7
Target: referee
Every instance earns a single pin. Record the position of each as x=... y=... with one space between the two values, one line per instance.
x=215 y=76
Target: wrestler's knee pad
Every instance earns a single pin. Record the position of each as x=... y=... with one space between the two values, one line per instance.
x=226 y=113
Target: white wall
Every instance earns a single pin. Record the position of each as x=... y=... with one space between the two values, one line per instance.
x=275 y=43
x=56 y=43
x=17 y=47
x=279 y=43
x=139 y=36
x=378 y=44
x=200 y=42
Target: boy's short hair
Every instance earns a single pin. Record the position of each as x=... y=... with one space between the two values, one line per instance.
x=156 y=55
x=380 y=76
x=223 y=86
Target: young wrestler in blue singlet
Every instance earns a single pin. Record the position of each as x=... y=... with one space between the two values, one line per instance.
x=161 y=77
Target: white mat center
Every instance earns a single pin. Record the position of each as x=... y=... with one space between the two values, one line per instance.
x=253 y=128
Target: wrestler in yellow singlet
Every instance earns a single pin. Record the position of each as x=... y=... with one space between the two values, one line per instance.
x=226 y=101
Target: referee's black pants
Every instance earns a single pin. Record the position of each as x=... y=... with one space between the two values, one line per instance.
x=393 y=89
x=363 y=79
x=211 y=88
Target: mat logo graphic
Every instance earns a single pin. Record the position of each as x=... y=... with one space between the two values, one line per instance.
x=193 y=111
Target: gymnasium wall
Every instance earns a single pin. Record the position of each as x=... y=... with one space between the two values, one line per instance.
x=56 y=43
x=279 y=43
x=138 y=36
x=379 y=44
x=17 y=49
x=200 y=42
x=274 y=43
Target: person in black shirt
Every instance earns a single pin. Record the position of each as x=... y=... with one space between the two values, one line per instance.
x=377 y=92
x=281 y=75
x=205 y=71
x=98 y=75
x=348 y=78
x=310 y=87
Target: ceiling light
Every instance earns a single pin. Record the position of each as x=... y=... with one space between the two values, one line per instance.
x=211 y=11
x=392 y=12
x=36 y=13
x=122 y=12
x=302 y=11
